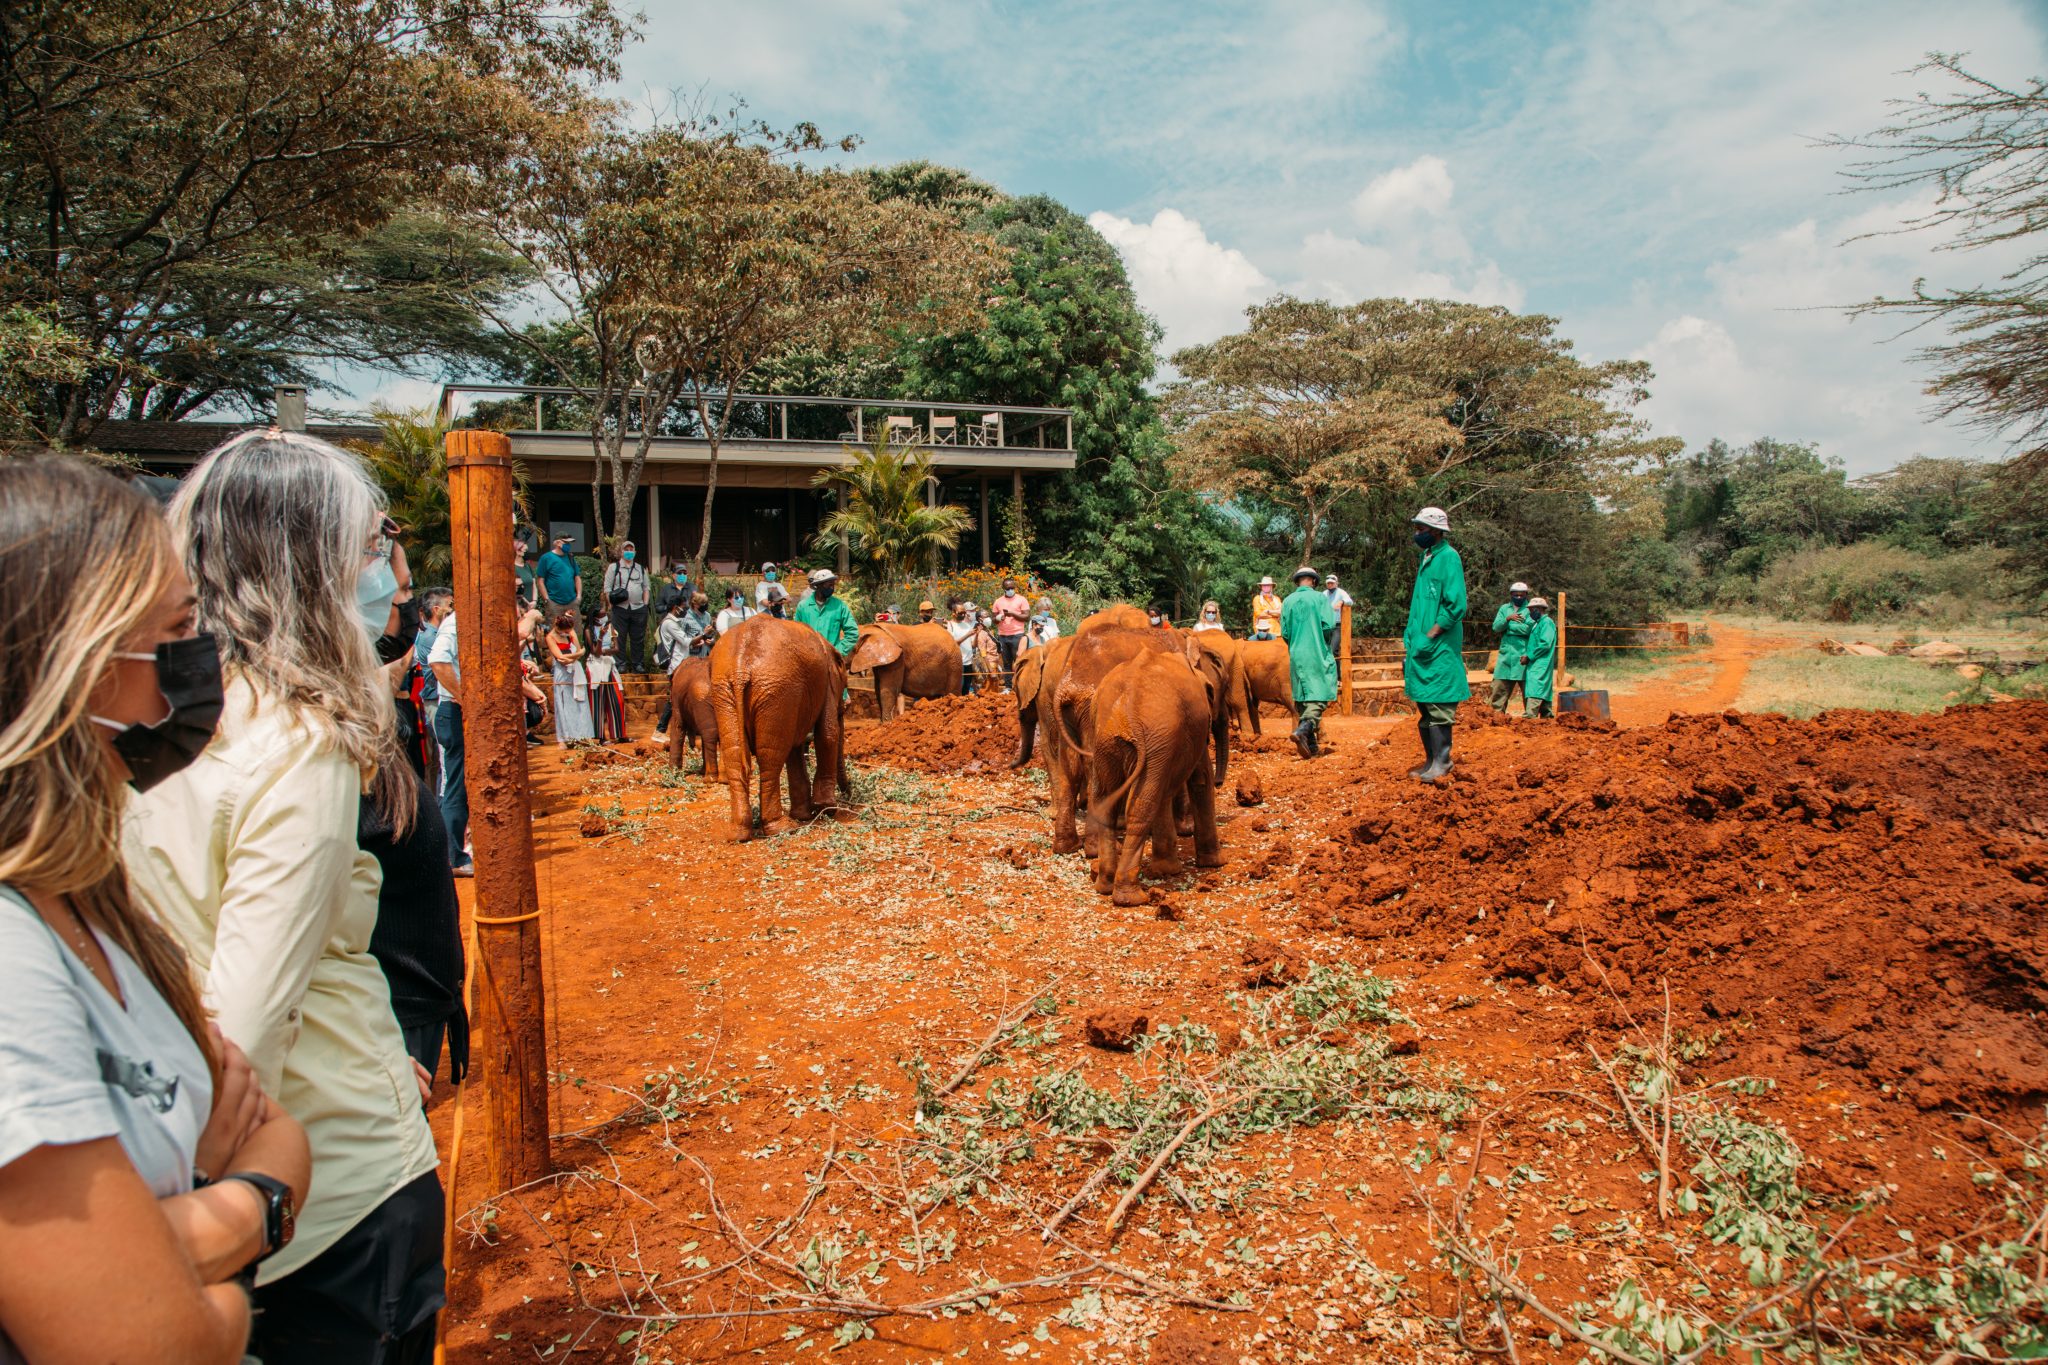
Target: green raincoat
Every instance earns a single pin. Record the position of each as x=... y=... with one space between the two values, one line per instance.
x=1305 y=618
x=1435 y=669
x=1541 y=682
x=1511 y=624
x=833 y=620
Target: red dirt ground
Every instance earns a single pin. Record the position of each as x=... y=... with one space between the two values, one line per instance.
x=1851 y=905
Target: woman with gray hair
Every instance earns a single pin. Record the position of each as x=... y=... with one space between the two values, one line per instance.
x=250 y=857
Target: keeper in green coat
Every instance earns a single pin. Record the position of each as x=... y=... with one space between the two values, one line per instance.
x=828 y=614
x=1306 y=619
x=1511 y=625
x=1539 y=684
x=1433 y=673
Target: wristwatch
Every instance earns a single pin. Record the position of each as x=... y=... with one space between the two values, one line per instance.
x=280 y=1218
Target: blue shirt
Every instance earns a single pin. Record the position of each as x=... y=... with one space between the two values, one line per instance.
x=558 y=578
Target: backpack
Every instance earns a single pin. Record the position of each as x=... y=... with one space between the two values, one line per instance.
x=662 y=652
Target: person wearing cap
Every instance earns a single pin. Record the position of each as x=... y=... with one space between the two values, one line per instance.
x=1045 y=627
x=560 y=584
x=827 y=613
x=629 y=590
x=1539 y=660
x=1306 y=620
x=1338 y=600
x=1433 y=673
x=1511 y=624
x=770 y=577
x=927 y=614
x=1265 y=611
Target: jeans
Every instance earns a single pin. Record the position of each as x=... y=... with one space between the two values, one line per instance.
x=370 y=1299
x=454 y=788
x=1006 y=646
x=632 y=624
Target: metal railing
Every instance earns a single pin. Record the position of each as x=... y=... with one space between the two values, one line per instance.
x=794 y=419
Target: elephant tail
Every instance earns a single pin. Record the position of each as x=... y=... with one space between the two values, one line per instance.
x=1102 y=816
x=1069 y=737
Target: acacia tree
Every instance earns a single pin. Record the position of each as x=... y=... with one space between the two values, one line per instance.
x=887 y=522
x=1288 y=412
x=144 y=140
x=1982 y=149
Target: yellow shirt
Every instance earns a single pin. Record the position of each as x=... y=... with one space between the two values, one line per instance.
x=249 y=856
x=1266 y=613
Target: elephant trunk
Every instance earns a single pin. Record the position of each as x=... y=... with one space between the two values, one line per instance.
x=1221 y=730
x=1027 y=731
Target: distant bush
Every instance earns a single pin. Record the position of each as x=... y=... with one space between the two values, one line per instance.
x=1872 y=580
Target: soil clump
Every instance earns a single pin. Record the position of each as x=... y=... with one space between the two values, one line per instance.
x=1859 y=890
x=971 y=733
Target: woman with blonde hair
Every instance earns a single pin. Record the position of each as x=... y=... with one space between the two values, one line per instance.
x=141 y=1167
x=250 y=856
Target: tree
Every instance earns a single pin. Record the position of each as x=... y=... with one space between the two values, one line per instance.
x=410 y=461
x=889 y=527
x=1288 y=412
x=692 y=255
x=142 y=141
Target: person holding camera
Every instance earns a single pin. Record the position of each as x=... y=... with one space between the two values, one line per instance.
x=628 y=590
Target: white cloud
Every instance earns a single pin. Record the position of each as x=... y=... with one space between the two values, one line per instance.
x=1197 y=288
x=1397 y=198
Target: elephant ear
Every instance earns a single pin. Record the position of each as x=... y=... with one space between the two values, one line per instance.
x=876 y=647
x=1191 y=650
x=1030 y=673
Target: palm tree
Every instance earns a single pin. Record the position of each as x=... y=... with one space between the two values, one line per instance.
x=890 y=529
x=409 y=459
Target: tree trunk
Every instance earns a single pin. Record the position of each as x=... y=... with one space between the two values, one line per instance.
x=713 y=432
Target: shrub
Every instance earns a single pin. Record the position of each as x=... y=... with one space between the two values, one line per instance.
x=1871 y=580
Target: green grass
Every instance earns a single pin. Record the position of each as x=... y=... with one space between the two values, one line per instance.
x=1801 y=682
x=1595 y=670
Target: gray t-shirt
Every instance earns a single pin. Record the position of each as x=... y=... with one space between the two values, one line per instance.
x=75 y=1065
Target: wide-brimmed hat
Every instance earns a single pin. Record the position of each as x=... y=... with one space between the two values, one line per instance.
x=1266 y=582
x=1432 y=517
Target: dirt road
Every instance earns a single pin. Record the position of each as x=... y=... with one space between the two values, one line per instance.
x=1706 y=683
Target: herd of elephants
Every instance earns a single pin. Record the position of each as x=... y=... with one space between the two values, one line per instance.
x=1134 y=721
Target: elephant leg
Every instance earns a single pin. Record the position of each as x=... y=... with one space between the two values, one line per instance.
x=830 y=778
x=1165 y=836
x=1208 y=845
x=736 y=783
x=1183 y=818
x=800 y=804
x=1141 y=813
x=1101 y=852
x=1065 y=839
x=772 y=763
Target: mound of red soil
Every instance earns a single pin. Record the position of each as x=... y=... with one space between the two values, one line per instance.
x=1864 y=889
x=965 y=734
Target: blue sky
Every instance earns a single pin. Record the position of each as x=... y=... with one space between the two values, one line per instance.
x=1644 y=172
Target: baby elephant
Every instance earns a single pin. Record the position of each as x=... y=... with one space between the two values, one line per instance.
x=689 y=695
x=1154 y=717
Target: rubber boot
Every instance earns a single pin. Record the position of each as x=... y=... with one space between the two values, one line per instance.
x=1423 y=728
x=1315 y=739
x=1440 y=754
x=1304 y=743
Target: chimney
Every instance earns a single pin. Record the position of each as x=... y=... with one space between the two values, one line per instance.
x=291 y=407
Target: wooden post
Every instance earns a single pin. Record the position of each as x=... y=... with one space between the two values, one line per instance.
x=511 y=1005
x=1344 y=657
x=984 y=519
x=1560 y=641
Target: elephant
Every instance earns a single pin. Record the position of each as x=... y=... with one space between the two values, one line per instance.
x=1038 y=677
x=775 y=691
x=907 y=661
x=689 y=694
x=1230 y=652
x=1267 y=677
x=1087 y=664
x=1154 y=716
x=1121 y=614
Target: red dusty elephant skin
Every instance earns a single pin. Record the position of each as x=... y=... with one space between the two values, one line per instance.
x=689 y=694
x=1038 y=678
x=1266 y=676
x=1154 y=716
x=775 y=691
x=1087 y=664
x=1230 y=652
x=1120 y=614
x=906 y=661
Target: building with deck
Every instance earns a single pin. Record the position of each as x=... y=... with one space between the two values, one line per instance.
x=766 y=507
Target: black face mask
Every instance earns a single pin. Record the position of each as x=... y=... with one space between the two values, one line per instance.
x=188 y=674
x=392 y=648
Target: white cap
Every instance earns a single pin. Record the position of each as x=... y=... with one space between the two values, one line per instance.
x=769 y=565
x=1540 y=602
x=823 y=576
x=1329 y=578
x=1518 y=586
x=1266 y=582
x=1432 y=517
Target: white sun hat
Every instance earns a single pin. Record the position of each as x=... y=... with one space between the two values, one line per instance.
x=1432 y=517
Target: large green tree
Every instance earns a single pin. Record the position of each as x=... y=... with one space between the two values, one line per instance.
x=891 y=529
x=157 y=156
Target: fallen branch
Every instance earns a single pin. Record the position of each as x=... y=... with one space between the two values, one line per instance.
x=1165 y=1154
x=1651 y=1147
x=995 y=1037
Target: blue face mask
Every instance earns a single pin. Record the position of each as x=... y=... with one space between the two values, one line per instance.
x=375 y=591
x=771 y=575
x=628 y=556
